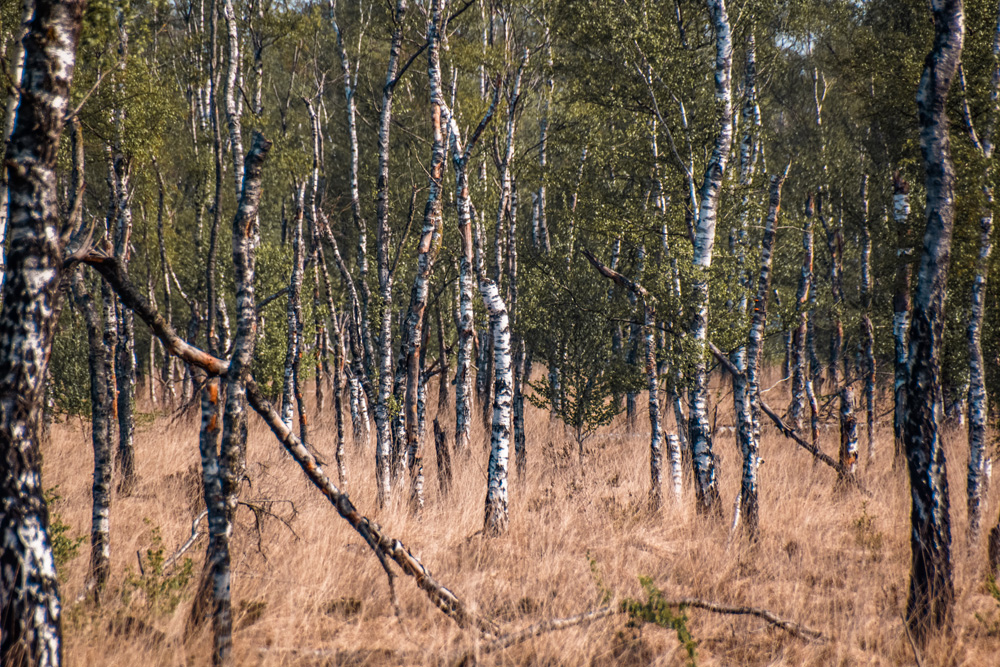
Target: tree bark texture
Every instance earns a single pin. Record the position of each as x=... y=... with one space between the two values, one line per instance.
x=30 y=611
x=702 y=454
x=932 y=593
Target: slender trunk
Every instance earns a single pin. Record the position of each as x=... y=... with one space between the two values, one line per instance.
x=749 y=429
x=703 y=456
x=101 y=434
x=427 y=250
x=234 y=421
x=800 y=373
x=867 y=331
x=976 y=481
x=10 y=114
x=443 y=459
x=901 y=308
x=496 y=494
x=932 y=592
x=293 y=311
x=443 y=360
x=234 y=106
x=382 y=421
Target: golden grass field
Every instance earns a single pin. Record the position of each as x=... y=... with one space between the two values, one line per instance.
x=312 y=593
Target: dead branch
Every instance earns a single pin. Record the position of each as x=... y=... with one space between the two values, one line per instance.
x=791 y=627
x=789 y=432
x=383 y=545
x=555 y=624
x=167 y=564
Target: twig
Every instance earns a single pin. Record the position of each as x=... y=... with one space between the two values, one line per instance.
x=791 y=627
x=167 y=564
x=544 y=627
x=913 y=645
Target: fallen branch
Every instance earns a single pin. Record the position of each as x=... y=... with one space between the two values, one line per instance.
x=545 y=627
x=555 y=624
x=385 y=547
x=791 y=627
x=167 y=564
x=789 y=432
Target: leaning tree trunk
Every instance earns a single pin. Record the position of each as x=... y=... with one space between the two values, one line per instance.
x=30 y=630
x=932 y=592
x=900 y=307
x=703 y=456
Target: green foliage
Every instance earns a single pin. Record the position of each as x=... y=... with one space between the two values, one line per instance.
x=595 y=572
x=156 y=590
x=65 y=547
x=991 y=624
x=657 y=611
x=69 y=369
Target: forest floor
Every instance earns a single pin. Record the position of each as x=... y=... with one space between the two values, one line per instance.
x=307 y=591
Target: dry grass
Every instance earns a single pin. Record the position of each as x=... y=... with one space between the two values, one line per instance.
x=325 y=599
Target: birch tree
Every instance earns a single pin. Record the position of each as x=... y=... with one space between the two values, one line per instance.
x=703 y=456
x=932 y=592
x=29 y=590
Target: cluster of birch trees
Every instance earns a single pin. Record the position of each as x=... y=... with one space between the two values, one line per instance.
x=554 y=200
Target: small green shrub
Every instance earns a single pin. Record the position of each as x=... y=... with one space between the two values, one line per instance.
x=65 y=547
x=657 y=611
x=992 y=625
x=154 y=589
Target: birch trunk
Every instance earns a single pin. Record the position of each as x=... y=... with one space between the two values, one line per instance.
x=800 y=373
x=10 y=114
x=976 y=484
x=749 y=426
x=30 y=613
x=466 y=332
x=900 y=307
x=292 y=315
x=703 y=456
x=383 y=432
x=496 y=494
x=427 y=250
x=867 y=331
x=932 y=592
x=101 y=435
x=234 y=421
